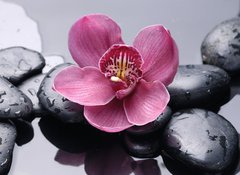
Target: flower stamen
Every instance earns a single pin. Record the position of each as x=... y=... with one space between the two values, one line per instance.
x=121 y=63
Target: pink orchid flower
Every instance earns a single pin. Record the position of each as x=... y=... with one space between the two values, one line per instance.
x=119 y=85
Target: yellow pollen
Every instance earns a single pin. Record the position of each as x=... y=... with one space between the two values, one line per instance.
x=115 y=79
x=122 y=68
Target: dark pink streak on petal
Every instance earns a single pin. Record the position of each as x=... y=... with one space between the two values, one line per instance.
x=146 y=103
x=91 y=36
x=85 y=86
x=110 y=117
x=159 y=52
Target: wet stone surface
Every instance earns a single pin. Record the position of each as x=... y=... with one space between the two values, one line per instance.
x=154 y=126
x=18 y=63
x=54 y=103
x=221 y=46
x=70 y=137
x=7 y=140
x=201 y=139
x=194 y=85
x=13 y=103
x=30 y=88
x=142 y=147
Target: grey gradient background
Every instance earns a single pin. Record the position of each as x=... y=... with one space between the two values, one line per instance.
x=189 y=21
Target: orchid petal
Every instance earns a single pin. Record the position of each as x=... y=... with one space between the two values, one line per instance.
x=85 y=86
x=159 y=52
x=146 y=103
x=110 y=117
x=91 y=36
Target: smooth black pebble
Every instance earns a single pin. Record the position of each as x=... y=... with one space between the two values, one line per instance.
x=199 y=86
x=201 y=139
x=221 y=46
x=19 y=63
x=30 y=87
x=154 y=126
x=54 y=103
x=7 y=141
x=142 y=147
x=13 y=102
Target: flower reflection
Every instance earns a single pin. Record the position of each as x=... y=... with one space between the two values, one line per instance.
x=109 y=160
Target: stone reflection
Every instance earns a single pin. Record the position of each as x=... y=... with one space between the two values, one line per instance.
x=25 y=132
x=99 y=152
x=70 y=137
x=146 y=167
x=235 y=86
x=109 y=159
x=73 y=159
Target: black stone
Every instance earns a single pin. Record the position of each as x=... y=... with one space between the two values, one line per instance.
x=54 y=103
x=201 y=139
x=199 y=86
x=154 y=126
x=30 y=87
x=221 y=46
x=25 y=131
x=19 y=63
x=177 y=168
x=142 y=147
x=13 y=103
x=7 y=141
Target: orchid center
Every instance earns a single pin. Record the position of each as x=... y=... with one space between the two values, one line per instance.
x=122 y=64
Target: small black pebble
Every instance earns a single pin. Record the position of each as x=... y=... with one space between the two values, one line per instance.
x=19 y=63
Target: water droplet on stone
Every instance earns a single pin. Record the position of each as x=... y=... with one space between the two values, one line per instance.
x=22 y=99
x=10 y=86
x=188 y=95
x=209 y=77
x=2 y=93
x=209 y=91
x=32 y=91
x=7 y=111
x=14 y=104
x=18 y=114
x=50 y=102
x=36 y=81
x=64 y=99
x=3 y=163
